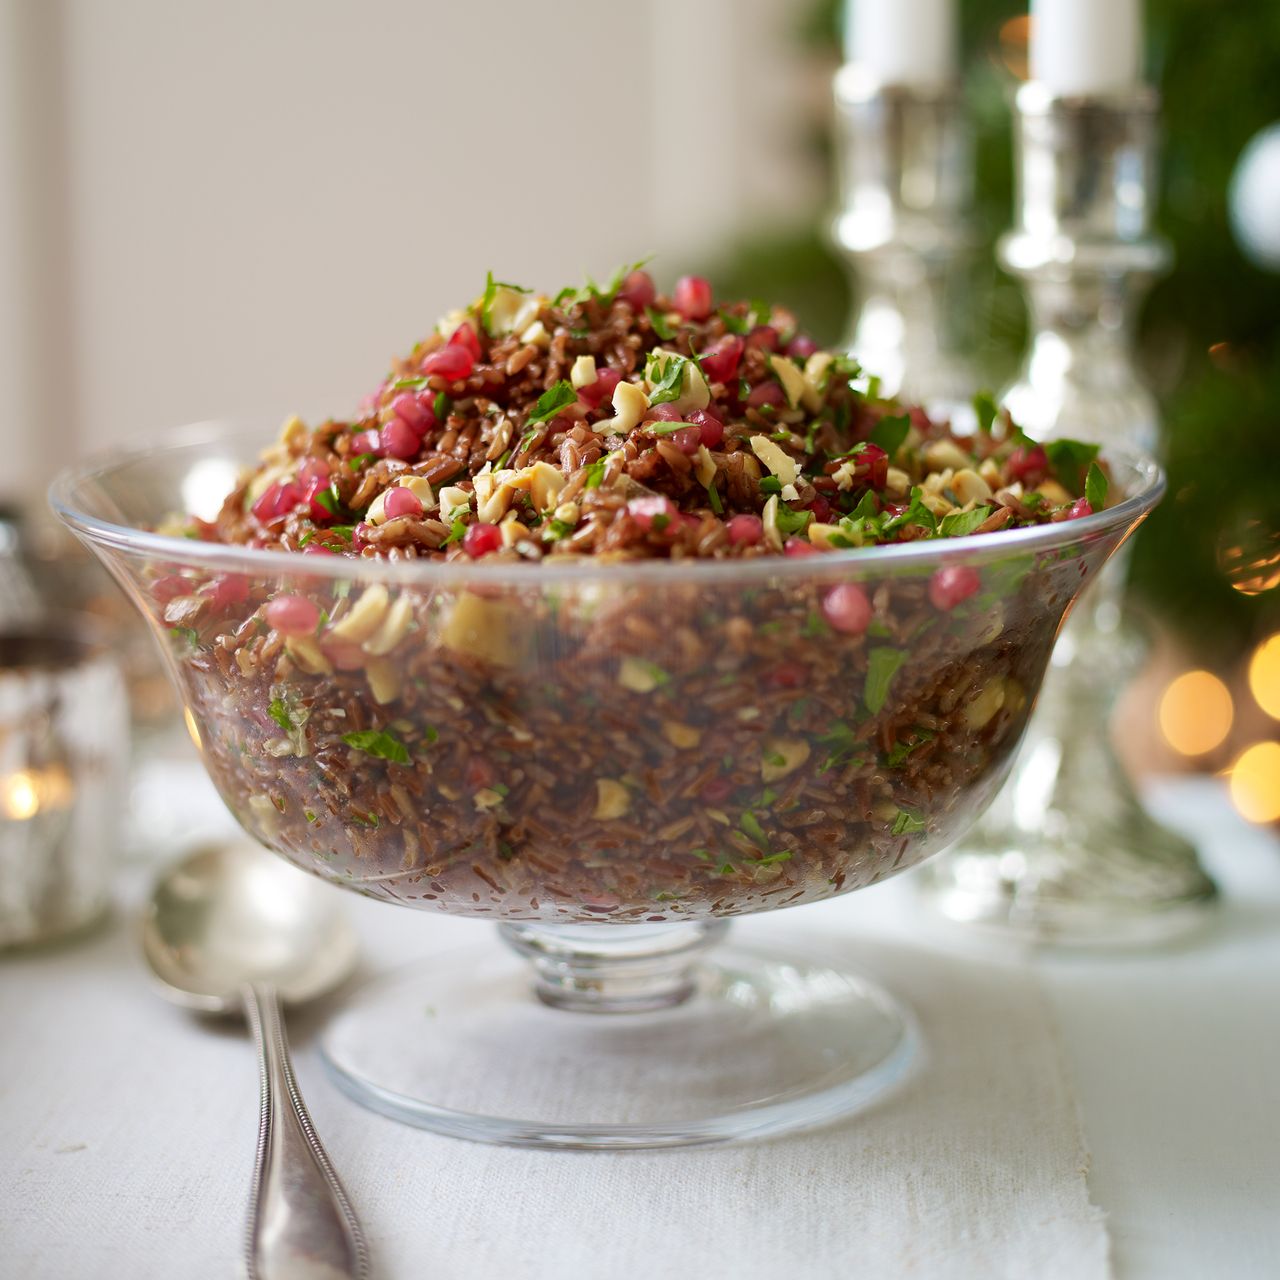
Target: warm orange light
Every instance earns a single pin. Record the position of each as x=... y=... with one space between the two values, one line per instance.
x=1255 y=782
x=1264 y=675
x=1251 y=558
x=1196 y=713
x=18 y=797
x=25 y=792
x=1014 y=38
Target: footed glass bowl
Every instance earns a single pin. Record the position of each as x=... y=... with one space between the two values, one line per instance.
x=610 y=759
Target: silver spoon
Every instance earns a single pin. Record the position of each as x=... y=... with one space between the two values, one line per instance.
x=229 y=928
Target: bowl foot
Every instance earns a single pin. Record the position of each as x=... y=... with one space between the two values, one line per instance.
x=762 y=1045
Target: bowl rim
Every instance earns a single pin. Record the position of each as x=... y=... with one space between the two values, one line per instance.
x=884 y=559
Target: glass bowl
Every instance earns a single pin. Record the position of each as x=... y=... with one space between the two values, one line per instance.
x=610 y=759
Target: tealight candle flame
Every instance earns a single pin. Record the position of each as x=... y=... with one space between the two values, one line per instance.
x=27 y=792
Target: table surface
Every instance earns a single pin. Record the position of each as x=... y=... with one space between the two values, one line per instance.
x=1174 y=1055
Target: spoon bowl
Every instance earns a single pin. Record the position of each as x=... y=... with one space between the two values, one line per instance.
x=232 y=914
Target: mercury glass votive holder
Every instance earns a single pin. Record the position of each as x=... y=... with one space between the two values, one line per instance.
x=64 y=745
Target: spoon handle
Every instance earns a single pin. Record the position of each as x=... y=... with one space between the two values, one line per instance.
x=301 y=1224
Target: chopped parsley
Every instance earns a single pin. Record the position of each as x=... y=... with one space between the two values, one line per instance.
x=751 y=828
x=959 y=523
x=792 y=522
x=903 y=748
x=666 y=374
x=882 y=666
x=280 y=714
x=441 y=406
x=890 y=433
x=908 y=822
x=658 y=323
x=986 y=411
x=550 y=403
x=374 y=742
x=189 y=634
x=713 y=497
x=595 y=474
x=770 y=484
x=457 y=531
x=1070 y=459
x=491 y=287
x=360 y=460
x=1095 y=487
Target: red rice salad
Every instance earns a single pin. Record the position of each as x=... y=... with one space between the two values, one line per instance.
x=654 y=750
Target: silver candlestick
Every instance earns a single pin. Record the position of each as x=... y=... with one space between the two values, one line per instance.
x=906 y=185
x=1067 y=854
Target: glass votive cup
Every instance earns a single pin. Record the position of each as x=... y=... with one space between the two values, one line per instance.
x=64 y=747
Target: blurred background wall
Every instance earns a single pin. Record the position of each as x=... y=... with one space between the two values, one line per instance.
x=212 y=208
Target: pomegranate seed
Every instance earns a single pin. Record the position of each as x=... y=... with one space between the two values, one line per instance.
x=821 y=509
x=465 y=336
x=654 y=513
x=1028 y=465
x=479 y=772
x=1079 y=508
x=601 y=389
x=169 y=588
x=637 y=290
x=480 y=539
x=360 y=535
x=401 y=502
x=313 y=469
x=228 y=589
x=687 y=439
x=663 y=413
x=366 y=442
x=951 y=584
x=797 y=547
x=277 y=500
x=766 y=393
x=802 y=347
x=717 y=791
x=399 y=440
x=871 y=464
x=720 y=360
x=692 y=297
x=345 y=654
x=847 y=609
x=414 y=412
x=317 y=510
x=787 y=675
x=745 y=530
x=293 y=615
x=454 y=362
x=712 y=427
x=316 y=549
x=764 y=336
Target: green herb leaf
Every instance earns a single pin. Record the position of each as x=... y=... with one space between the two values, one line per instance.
x=752 y=829
x=770 y=484
x=552 y=402
x=360 y=460
x=658 y=323
x=882 y=666
x=902 y=749
x=792 y=522
x=280 y=714
x=374 y=742
x=189 y=634
x=441 y=406
x=714 y=497
x=916 y=513
x=889 y=433
x=430 y=735
x=409 y=384
x=986 y=411
x=908 y=822
x=1095 y=487
x=595 y=475
x=1069 y=459
x=958 y=524
x=491 y=287
x=667 y=375
x=457 y=531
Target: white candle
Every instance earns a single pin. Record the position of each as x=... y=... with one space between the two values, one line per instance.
x=1082 y=47
x=903 y=42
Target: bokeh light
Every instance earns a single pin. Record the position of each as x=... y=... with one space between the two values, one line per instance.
x=1264 y=675
x=1255 y=782
x=1196 y=713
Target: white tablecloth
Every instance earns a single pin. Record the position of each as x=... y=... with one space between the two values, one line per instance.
x=126 y=1126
